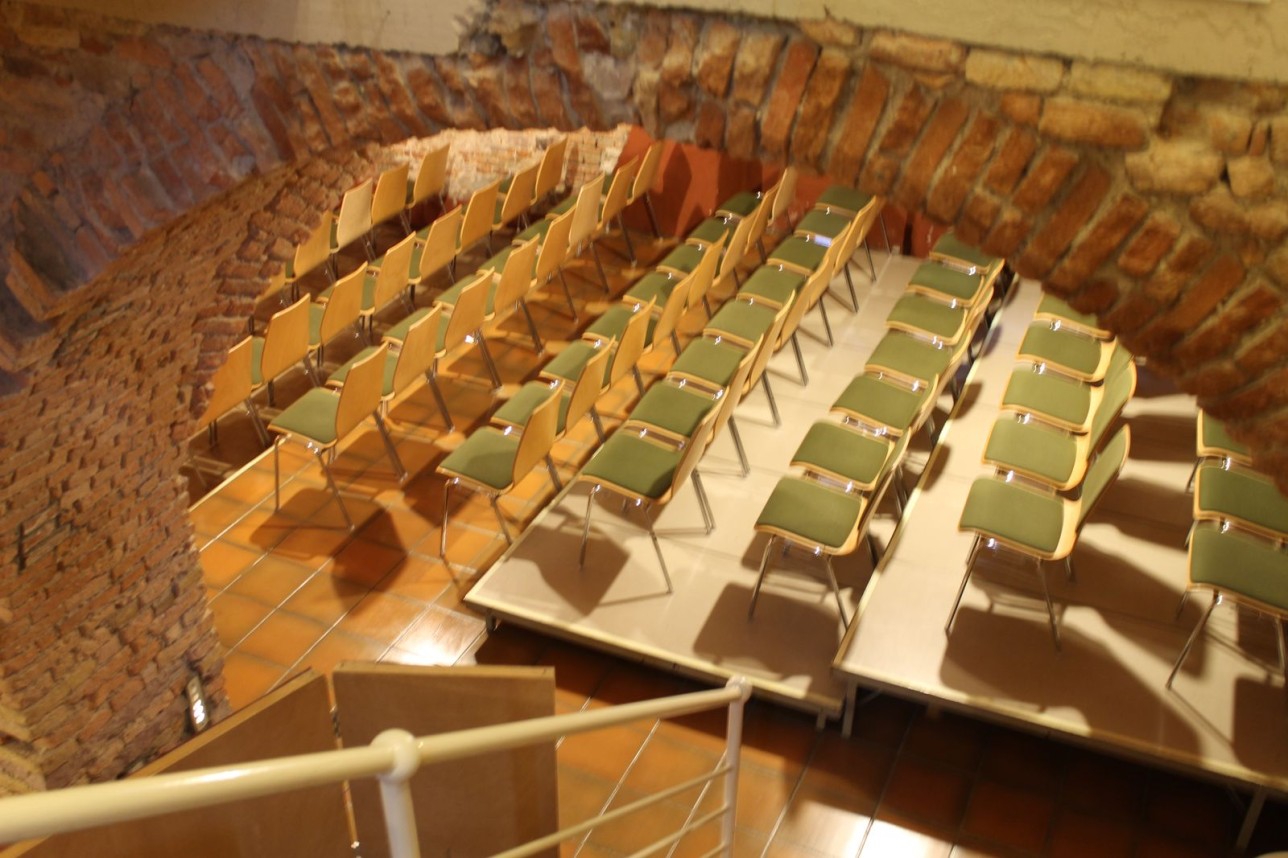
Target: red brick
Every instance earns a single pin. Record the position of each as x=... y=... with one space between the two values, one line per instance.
x=1266 y=349
x=938 y=137
x=1011 y=161
x=1251 y=307
x=780 y=111
x=860 y=121
x=708 y=127
x=978 y=216
x=1254 y=398
x=1022 y=108
x=1100 y=241
x=909 y=118
x=1071 y=215
x=1155 y=239
x=1007 y=234
x=719 y=48
x=1133 y=310
x=949 y=191
x=741 y=134
x=1092 y=123
x=825 y=85
x=1044 y=179
x=757 y=55
x=1168 y=280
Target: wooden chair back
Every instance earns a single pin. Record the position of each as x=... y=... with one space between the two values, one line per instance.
x=760 y=218
x=554 y=248
x=516 y=277
x=734 y=250
x=733 y=394
x=314 y=250
x=586 y=219
x=674 y=306
x=704 y=273
x=360 y=396
x=230 y=384
x=390 y=195
x=765 y=348
x=1102 y=472
x=519 y=198
x=286 y=340
x=344 y=306
x=785 y=194
x=468 y=312
x=697 y=445
x=431 y=178
x=418 y=352
x=394 y=274
x=631 y=346
x=588 y=387
x=440 y=245
x=538 y=437
x=618 y=190
x=354 y=220
x=479 y=211
x=646 y=177
x=551 y=173
x=797 y=308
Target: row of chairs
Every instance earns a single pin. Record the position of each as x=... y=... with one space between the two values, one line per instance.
x=1236 y=545
x=1052 y=449
x=848 y=465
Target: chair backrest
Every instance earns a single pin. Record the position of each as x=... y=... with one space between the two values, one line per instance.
x=230 y=384
x=354 y=220
x=440 y=245
x=805 y=296
x=360 y=396
x=432 y=176
x=286 y=339
x=732 y=396
x=676 y=303
x=697 y=445
x=344 y=306
x=647 y=175
x=519 y=198
x=538 y=437
x=631 y=346
x=395 y=271
x=390 y=195
x=479 y=211
x=868 y=216
x=516 y=277
x=554 y=247
x=1102 y=471
x=1120 y=384
x=785 y=194
x=314 y=250
x=586 y=219
x=417 y=354
x=468 y=311
x=618 y=191
x=704 y=273
x=765 y=348
x=760 y=218
x=550 y=175
x=588 y=387
x=735 y=249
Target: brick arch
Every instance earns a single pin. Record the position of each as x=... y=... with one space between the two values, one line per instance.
x=159 y=176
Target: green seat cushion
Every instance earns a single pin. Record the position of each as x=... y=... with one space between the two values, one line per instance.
x=312 y=416
x=537 y=230
x=569 y=362
x=368 y=291
x=881 y=402
x=1064 y=400
x=641 y=467
x=1215 y=435
x=741 y=204
x=1061 y=348
x=486 y=457
x=654 y=286
x=684 y=258
x=1033 y=449
x=565 y=205
x=1241 y=496
x=257 y=358
x=827 y=225
x=844 y=452
x=713 y=362
x=316 y=312
x=818 y=515
x=800 y=252
x=1021 y=516
x=497 y=262
x=612 y=323
x=391 y=363
x=1240 y=563
x=843 y=198
x=709 y=231
x=741 y=321
x=1050 y=305
x=774 y=285
x=929 y=316
x=910 y=356
x=397 y=333
x=517 y=410
x=672 y=408
x=967 y=288
x=949 y=246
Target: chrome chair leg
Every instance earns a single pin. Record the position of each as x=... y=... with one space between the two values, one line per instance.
x=554 y=473
x=737 y=444
x=505 y=528
x=652 y=216
x=705 y=505
x=1046 y=595
x=399 y=470
x=836 y=590
x=800 y=360
x=585 y=528
x=854 y=296
x=1194 y=635
x=827 y=324
x=970 y=564
x=277 y=477
x=335 y=491
x=657 y=546
x=572 y=306
x=442 y=537
x=432 y=377
x=626 y=234
x=598 y=423
x=760 y=578
x=532 y=328
x=487 y=357
x=594 y=251
x=769 y=394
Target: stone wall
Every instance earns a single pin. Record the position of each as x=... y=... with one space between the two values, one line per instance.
x=152 y=179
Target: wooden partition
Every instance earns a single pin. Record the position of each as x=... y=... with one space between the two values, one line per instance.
x=476 y=806
x=310 y=823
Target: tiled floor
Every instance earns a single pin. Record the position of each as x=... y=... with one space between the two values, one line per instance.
x=291 y=589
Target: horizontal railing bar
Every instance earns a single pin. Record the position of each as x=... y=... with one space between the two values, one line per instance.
x=41 y=814
x=672 y=838
x=534 y=846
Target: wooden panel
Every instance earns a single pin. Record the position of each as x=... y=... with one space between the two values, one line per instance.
x=294 y=719
x=475 y=806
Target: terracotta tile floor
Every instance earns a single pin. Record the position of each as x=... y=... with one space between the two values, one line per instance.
x=291 y=589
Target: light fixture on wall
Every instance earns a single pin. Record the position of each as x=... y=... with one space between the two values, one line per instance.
x=198 y=706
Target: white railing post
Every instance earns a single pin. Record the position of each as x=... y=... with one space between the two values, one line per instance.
x=395 y=792
x=733 y=751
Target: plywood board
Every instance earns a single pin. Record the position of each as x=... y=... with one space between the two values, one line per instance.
x=475 y=806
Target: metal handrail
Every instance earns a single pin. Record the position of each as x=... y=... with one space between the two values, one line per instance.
x=393 y=757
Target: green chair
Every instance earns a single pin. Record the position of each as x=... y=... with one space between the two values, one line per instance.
x=1063 y=402
x=323 y=417
x=953 y=286
x=916 y=360
x=941 y=323
x=493 y=460
x=612 y=324
x=435 y=250
x=576 y=400
x=825 y=225
x=646 y=471
x=1214 y=442
x=1058 y=348
x=1033 y=523
x=567 y=365
x=1242 y=497
x=952 y=251
x=888 y=405
x=430 y=181
x=340 y=310
x=231 y=386
x=467 y=310
x=1249 y=571
x=1058 y=312
x=413 y=355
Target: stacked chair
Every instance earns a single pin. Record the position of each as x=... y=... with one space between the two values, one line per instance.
x=1055 y=447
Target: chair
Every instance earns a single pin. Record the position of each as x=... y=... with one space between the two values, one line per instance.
x=887 y=405
x=1055 y=311
x=1214 y=442
x=322 y=418
x=444 y=338
x=1056 y=399
x=645 y=179
x=511 y=286
x=953 y=286
x=413 y=355
x=1033 y=523
x=1050 y=346
x=285 y=343
x=943 y=324
x=340 y=309
x=476 y=224
x=551 y=172
x=551 y=258
x=232 y=385
x=657 y=285
x=388 y=201
x=612 y=324
x=825 y=226
x=519 y=197
x=493 y=460
x=354 y=221
x=917 y=360
x=1241 y=497
x=431 y=180
x=312 y=253
x=952 y=251
x=646 y=471
x=685 y=258
x=435 y=250
x=576 y=400
x=712 y=360
x=611 y=209
x=467 y=312
x=1243 y=568
x=585 y=220
x=567 y=365
x=386 y=284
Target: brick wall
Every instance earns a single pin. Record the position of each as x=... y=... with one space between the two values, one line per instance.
x=153 y=178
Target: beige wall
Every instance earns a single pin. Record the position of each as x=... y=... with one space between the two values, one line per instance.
x=1221 y=38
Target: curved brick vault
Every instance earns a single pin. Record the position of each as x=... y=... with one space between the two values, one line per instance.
x=153 y=178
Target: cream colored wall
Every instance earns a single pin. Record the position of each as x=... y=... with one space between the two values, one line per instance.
x=1221 y=38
